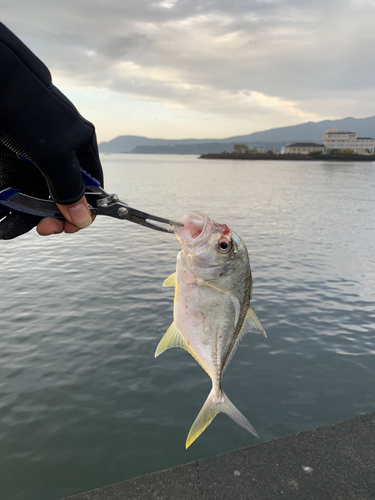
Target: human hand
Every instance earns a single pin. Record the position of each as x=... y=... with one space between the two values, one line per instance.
x=77 y=216
x=19 y=172
x=44 y=143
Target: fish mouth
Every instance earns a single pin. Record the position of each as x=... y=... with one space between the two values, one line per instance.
x=196 y=227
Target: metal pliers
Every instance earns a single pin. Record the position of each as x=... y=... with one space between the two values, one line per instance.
x=99 y=201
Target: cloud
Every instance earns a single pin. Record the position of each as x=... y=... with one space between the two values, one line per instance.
x=125 y=46
x=294 y=58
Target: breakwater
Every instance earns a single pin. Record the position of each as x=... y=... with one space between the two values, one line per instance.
x=335 y=462
x=294 y=157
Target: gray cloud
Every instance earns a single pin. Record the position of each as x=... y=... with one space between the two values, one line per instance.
x=296 y=57
x=125 y=46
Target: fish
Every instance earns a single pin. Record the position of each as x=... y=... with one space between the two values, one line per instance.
x=211 y=313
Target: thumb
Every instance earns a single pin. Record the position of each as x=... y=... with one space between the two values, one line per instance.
x=78 y=213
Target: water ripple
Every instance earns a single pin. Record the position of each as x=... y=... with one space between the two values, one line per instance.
x=83 y=401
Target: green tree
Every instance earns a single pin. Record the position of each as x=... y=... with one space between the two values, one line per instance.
x=240 y=148
x=315 y=153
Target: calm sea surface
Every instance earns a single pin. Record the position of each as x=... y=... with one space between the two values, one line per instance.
x=83 y=401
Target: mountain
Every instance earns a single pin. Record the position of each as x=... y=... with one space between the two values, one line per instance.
x=305 y=132
x=186 y=149
x=126 y=143
x=311 y=131
x=199 y=148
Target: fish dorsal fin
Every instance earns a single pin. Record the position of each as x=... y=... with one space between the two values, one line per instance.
x=171 y=280
x=235 y=301
x=171 y=338
x=252 y=322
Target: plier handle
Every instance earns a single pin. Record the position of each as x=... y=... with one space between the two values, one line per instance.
x=99 y=201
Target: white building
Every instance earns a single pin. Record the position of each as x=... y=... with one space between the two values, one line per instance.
x=333 y=139
x=304 y=148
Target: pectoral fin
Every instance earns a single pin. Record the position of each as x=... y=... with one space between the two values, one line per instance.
x=235 y=301
x=171 y=338
x=171 y=280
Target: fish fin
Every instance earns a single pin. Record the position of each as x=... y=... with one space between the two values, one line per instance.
x=209 y=411
x=250 y=322
x=233 y=298
x=171 y=280
x=171 y=338
x=253 y=322
x=174 y=338
x=237 y=307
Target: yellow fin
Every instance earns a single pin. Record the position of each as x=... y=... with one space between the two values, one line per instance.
x=205 y=417
x=171 y=338
x=208 y=412
x=171 y=280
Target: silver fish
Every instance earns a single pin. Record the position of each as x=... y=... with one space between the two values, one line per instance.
x=212 y=310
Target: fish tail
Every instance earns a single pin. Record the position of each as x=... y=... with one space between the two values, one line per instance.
x=210 y=409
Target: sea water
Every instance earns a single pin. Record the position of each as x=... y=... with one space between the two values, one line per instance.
x=83 y=401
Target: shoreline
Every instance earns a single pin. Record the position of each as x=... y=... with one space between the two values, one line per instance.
x=335 y=462
x=287 y=157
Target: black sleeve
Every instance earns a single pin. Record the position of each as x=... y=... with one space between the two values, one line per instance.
x=43 y=123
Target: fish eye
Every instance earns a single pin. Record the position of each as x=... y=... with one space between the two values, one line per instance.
x=224 y=245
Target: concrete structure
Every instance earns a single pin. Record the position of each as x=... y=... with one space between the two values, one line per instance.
x=336 y=462
x=304 y=148
x=333 y=139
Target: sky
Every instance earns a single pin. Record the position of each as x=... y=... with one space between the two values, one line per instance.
x=177 y=69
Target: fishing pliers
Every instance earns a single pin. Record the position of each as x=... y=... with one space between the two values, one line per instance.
x=99 y=201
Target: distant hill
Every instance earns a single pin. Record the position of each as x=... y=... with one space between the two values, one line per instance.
x=126 y=143
x=196 y=148
x=312 y=131
x=305 y=132
x=186 y=149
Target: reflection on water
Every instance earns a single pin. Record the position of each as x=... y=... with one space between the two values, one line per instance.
x=83 y=401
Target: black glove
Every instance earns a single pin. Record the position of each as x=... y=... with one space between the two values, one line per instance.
x=44 y=140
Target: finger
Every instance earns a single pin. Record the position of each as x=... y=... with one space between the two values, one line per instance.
x=78 y=213
x=70 y=228
x=49 y=226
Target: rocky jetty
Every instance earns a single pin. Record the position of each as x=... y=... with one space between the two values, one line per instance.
x=288 y=157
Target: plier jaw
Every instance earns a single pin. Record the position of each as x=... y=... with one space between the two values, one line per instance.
x=111 y=206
